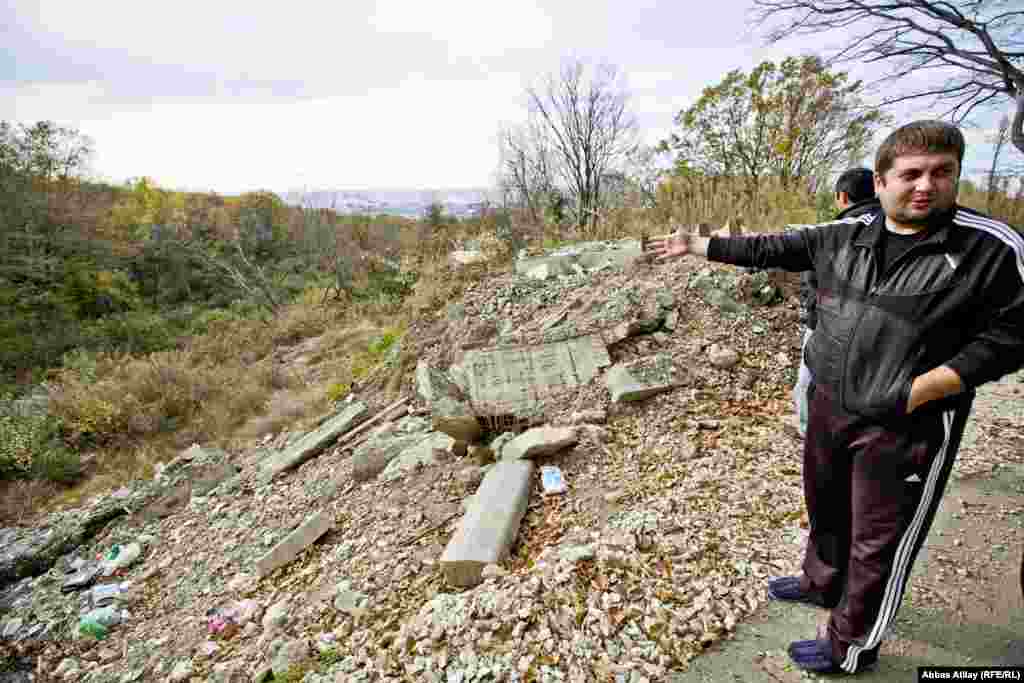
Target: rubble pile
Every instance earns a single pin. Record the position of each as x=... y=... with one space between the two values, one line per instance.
x=419 y=540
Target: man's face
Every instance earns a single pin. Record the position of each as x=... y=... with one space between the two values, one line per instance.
x=917 y=187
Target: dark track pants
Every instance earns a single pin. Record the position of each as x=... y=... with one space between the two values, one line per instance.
x=872 y=491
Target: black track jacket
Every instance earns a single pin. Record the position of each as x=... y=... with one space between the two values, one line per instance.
x=808 y=279
x=955 y=299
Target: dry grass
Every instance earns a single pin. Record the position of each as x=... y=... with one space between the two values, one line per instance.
x=20 y=499
x=286 y=410
x=1006 y=203
x=231 y=385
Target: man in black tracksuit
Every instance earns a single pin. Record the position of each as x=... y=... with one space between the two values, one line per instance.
x=919 y=303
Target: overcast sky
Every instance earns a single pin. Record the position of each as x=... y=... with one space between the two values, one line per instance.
x=230 y=96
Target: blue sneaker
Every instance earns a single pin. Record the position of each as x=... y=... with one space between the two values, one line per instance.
x=787 y=589
x=813 y=655
x=816 y=656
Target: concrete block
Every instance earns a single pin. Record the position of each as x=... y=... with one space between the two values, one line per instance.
x=539 y=442
x=642 y=378
x=373 y=457
x=312 y=443
x=514 y=380
x=491 y=523
x=450 y=410
x=294 y=543
x=422 y=453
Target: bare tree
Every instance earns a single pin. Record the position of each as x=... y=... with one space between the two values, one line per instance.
x=583 y=114
x=645 y=167
x=527 y=167
x=976 y=47
x=999 y=141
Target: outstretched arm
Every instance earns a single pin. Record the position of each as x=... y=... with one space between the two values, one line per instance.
x=678 y=244
x=789 y=251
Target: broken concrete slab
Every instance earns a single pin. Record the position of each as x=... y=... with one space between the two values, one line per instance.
x=540 y=442
x=372 y=459
x=384 y=444
x=420 y=454
x=514 y=380
x=590 y=256
x=491 y=523
x=312 y=443
x=639 y=379
x=450 y=411
x=294 y=543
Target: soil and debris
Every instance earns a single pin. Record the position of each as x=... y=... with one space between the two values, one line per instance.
x=678 y=509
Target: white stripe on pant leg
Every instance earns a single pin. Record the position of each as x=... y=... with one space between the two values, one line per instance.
x=904 y=552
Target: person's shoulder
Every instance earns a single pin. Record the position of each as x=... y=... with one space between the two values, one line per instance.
x=864 y=208
x=985 y=234
x=990 y=230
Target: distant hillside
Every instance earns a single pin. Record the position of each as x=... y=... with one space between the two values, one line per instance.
x=463 y=203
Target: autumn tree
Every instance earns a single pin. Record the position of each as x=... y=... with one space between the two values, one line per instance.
x=37 y=161
x=959 y=54
x=792 y=120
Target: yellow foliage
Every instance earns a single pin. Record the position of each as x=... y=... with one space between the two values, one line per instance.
x=338 y=391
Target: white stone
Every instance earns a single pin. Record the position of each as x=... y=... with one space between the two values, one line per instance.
x=276 y=617
x=723 y=357
x=540 y=442
x=591 y=416
x=182 y=671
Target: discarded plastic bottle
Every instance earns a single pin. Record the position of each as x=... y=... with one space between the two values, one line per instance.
x=91 y=627
x=105 y=616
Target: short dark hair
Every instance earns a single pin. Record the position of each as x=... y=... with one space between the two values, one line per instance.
x=920 y=137
x=857 y=183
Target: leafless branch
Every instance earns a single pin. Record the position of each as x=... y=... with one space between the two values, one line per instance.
x=977 y=41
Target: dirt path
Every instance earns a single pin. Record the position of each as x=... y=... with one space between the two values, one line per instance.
x=964 y=607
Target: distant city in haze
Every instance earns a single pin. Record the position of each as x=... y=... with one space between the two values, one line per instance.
x=408 y=203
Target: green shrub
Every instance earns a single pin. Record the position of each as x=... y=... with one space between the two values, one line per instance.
x=329 y=658
x=83 y=362
x=31 y=446
x=380 y=346
x=132 y=332
x=201 y=323
x=57 y=464
x=387 y=286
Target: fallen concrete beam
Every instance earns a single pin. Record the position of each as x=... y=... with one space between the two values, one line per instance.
x=491 y=523
x=349 y=439
x=294 y=543
x=311 y=444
